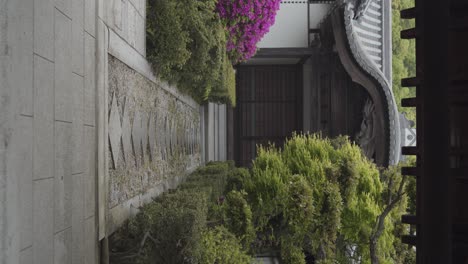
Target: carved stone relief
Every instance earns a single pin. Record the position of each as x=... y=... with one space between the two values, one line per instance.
x=366 y=136
x=153 y=136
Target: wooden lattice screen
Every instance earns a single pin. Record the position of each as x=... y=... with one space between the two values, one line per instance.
x=441 y=103
x=268 y=110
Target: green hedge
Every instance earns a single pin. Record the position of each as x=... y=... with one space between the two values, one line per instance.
x=186 y=44
x=174 y=229
x=315 y=197
x=221 y=246
x=175 y=221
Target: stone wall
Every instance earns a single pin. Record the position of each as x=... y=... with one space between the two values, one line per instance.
x=154 y=140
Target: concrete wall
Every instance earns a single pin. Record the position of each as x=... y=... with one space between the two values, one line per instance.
x=215 y=132
x=87 y=132
x=47 y=132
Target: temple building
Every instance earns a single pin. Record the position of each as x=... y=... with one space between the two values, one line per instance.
x=324 y=67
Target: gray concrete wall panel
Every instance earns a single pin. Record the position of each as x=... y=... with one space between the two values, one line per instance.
x=47 y=158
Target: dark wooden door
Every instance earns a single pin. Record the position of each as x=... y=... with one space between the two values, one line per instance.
x=268 y=110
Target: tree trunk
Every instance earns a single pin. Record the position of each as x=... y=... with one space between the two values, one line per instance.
x=373 y=251
x=378 y=230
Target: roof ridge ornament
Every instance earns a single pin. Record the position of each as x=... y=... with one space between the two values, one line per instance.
x=360 y=8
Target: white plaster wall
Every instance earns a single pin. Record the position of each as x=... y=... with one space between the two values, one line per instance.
x=290 y=28
x=318 y=13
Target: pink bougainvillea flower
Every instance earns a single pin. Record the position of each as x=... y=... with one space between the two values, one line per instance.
x=247 y=22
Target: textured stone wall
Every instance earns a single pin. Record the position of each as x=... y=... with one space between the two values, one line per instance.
x=153 y=136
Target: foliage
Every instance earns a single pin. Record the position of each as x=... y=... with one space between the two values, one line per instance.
x=187 y=45
x=210 y=179
x=404 y=57
x=267 y=187
x=315 y=197
x=173 y=227
x=175 y=222
x=295 y=194
x=291 y=252
x=322 y=197
x=361 y=186
x=225 y=89
x=239 y=217
x=236 y=179
x=218 y=245
x=167 y=39
x=247 y=22
x=402 y=253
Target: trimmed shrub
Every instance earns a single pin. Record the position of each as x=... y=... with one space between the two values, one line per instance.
x=218 y=245
x=175 y=223
x=236 y=178
x=225 y=89
x=170 y=229
x=167 y=38
x=239 y=218
x=186 y=43
x=311 y=194
x=267 y=187
x=299 y=207
x=316 y=197
x=291 y=251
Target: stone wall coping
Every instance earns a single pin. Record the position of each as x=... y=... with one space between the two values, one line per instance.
x=120 y=49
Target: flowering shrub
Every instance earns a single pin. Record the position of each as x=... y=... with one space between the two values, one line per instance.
x=247 y=22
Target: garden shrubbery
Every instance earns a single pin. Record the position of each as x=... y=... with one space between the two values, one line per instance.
x=315 y=197
x=221 y=246
x=175 y=227
x=195 y=43
x=186 y=44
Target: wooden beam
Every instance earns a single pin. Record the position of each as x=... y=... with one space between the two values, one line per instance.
x=409 y=151
x=409 y=13
x=314 y=30
x=409 y=240
x=411 y=82
x=284 y=52
x=409 y=102
x=410 y=171
x=409 y=219
x=410 y=33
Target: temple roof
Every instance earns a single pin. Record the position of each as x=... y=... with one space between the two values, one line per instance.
x=368 y=36
x=368 y=22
